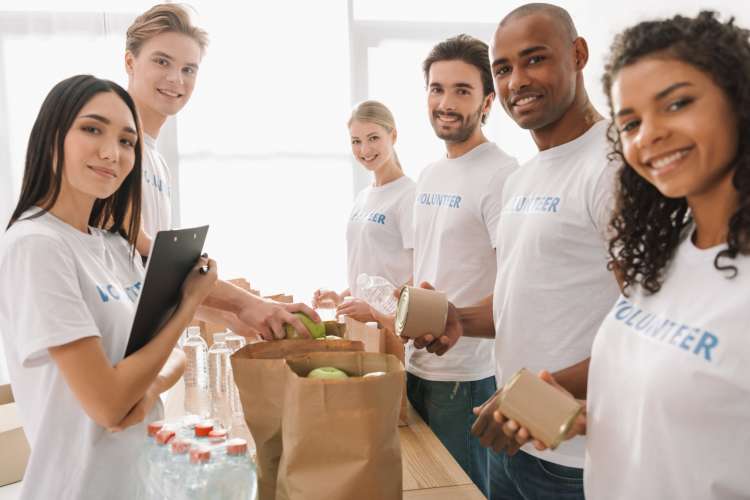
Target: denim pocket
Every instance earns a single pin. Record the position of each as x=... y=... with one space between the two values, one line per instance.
x=560 y=472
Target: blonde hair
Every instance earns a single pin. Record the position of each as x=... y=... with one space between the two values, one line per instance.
x=163 y=18
x=378 y=113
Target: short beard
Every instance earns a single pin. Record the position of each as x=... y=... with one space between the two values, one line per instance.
x=462 y=134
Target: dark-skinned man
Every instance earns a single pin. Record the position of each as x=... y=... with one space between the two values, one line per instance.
x=553 y=287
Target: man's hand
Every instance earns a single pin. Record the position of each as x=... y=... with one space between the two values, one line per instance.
x=267 y=317
x=357 y=309
x=519 y=435
x=485 y=427
x=453 y=331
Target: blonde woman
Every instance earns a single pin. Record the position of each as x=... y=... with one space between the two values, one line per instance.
x=164 y=50
x=379 y=234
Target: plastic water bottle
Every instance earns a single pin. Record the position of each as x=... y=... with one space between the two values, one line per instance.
x=197 y=481
x=221 y=382
x=176 y=467
x=196 y=373
x=378 y=292
x=146 y=490
x=234 y=342
x=158 y=459
x=239 y=475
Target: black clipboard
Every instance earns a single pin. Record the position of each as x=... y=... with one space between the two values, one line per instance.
x=173 y=254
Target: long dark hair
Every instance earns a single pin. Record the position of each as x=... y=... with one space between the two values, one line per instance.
x=649 y=226
x=42 y=182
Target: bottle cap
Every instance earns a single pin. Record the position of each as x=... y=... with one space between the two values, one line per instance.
x=236 y=446
x=348 y=298
x=200 y=455
x=203 y=428
x=154 y=427
x=219 y=337
x=218 y=432
x=181 y=446
x=372 y=324
x=217 y=435
x=164 y=436
x=192 y=331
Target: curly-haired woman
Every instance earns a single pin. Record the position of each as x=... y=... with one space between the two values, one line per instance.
x=669 y=380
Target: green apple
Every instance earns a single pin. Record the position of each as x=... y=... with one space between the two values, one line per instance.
x=317 y=330
x=328 y=372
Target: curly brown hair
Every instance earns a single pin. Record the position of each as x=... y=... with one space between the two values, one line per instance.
x=648 y=226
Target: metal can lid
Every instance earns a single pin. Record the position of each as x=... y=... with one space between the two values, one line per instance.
x=236 y=446
x=203 y=428
x=154 y=427
x=200 y=455
x=181 y=446
x=164 y=436
x=402 y=310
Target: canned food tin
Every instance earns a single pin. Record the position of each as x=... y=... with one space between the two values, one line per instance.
x=547 y=412
x=421 y=311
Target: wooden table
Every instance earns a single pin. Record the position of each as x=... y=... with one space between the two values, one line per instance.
x=429 y=470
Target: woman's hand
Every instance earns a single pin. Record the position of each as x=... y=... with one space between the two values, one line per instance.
x=326 y=298
x=199 y=284
x=356 y=309
x=141 y=409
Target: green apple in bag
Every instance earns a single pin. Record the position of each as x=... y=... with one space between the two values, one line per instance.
x=328 y=372
x=317 y=330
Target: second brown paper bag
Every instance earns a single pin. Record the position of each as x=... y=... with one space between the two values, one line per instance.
x=340 y=437
x=260 y=373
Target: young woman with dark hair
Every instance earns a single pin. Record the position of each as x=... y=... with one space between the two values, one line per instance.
x=70 y=278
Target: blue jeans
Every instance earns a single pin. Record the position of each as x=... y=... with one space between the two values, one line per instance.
x=525 y=477
x=447 y=408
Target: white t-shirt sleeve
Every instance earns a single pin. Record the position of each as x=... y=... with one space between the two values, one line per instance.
x=42 y=292
x=492 y=204
x=406 y=219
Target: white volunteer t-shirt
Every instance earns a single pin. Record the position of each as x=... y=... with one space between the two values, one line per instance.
x=60 y=285
x=553 y=288
x=455 y=218
x=669 y=387
x=380 y=233
x=156 y=196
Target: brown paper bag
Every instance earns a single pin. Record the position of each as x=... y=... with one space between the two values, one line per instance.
x=340 y=437
x=260 y=373
x=379 y=340
x=335 y=328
